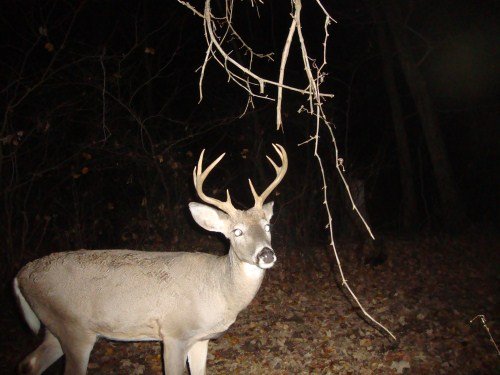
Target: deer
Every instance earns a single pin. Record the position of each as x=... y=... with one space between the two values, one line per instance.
x=182 y=299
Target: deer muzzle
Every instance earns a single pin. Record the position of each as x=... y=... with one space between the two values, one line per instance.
x=266 y=258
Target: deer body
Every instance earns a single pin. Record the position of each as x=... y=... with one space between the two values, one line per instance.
x=182 y=299
x=128 y=295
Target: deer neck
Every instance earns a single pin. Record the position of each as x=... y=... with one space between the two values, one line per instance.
x=243 y=282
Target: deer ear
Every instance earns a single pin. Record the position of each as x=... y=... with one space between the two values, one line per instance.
x=210 y=218
x=268 y=210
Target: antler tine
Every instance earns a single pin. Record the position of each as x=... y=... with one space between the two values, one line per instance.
x=198 y=167
x=280 y=173
x=252 y=189
x=199 y=176
x=276 y=168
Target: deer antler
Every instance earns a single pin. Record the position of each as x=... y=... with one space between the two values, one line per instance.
x=199 y=176
x=280 y=173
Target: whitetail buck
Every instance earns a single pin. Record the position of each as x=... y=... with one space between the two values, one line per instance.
x=182 y=299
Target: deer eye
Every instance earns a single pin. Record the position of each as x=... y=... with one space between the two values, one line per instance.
x=267 y=228
x=237 y=232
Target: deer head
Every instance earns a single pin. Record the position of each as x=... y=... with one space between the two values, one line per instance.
x=249 y=232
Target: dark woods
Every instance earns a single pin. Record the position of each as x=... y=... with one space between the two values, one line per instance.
x=101 y=124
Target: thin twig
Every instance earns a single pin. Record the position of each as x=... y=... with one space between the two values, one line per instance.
x=483 y=321
x=105 y=129
x=192 y=8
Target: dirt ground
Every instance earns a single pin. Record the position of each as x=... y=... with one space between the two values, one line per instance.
x=301 y=322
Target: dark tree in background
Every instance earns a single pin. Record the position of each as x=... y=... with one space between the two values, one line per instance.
x=101 y=123
x=409 y=208
x=451 y=205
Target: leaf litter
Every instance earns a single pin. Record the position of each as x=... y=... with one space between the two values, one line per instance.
x=301 y=322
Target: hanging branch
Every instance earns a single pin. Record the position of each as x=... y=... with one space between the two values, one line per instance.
x=249 y=81
x=314 y=84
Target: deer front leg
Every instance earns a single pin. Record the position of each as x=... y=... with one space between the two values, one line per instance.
x=197 y=358
x=76 y=346
x=174 y=356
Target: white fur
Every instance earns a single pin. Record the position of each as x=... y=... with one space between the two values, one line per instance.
x=265 y=265
x=252 y=271
x=29 y=315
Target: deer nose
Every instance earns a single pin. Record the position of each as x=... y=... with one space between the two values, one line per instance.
x=266 y=257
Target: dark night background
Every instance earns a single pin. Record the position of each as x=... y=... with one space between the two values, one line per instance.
x=101 y=124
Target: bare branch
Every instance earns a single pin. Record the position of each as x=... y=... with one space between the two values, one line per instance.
x=315 y=96
x=190 y=7
x=229 y=62
x=284 y=58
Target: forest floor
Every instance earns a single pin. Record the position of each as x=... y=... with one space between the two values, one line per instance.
x=301 y=322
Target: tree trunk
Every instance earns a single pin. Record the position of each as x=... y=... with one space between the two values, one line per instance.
x=452 y=209
x=408 y=194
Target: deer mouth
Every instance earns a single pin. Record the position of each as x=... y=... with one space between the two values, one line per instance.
x=266 y=258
